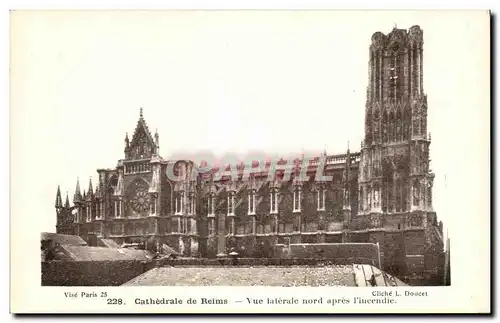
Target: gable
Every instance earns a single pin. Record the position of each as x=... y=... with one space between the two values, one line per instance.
x=142 y=145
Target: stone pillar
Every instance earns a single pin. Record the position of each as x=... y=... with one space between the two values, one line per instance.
x=221 y=241
x=421 y=71
x=380 y=75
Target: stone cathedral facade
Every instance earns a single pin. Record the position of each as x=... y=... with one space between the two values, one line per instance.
x=381 y=194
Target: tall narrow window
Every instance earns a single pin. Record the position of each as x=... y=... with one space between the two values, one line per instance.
x=191 y=203
x=416 y=193
x=181 y=225
x=251 y=202
x=230 y=203
x=321 y=198
x=97 y=210
x=179 y=202
x=274 y=201
x=211 y=205
x=152 y=206
x=399 y=193
x=211 y=226
x=296 y=199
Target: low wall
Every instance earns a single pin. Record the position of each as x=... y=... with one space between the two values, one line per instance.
x=91 y=273
x=203 y=262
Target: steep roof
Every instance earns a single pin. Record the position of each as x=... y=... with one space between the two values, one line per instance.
x=63 y=239
x=85 y=253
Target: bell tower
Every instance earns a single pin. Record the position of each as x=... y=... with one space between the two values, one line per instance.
x=395 y=177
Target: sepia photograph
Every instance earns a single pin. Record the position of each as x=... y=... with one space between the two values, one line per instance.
x=249 y=149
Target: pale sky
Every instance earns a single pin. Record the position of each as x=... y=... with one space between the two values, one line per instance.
x=232 y=82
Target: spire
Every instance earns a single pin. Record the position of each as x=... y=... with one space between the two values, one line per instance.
x=127 y=141
x=157 y=142
x=90 y=190
x=58 y=198
x=84 y=196
x=155 y=183
x=140 y=114
x=78 y=195
x=66 y=204
x=119 y=185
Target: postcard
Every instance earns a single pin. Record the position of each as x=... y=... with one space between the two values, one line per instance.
x=219 y=161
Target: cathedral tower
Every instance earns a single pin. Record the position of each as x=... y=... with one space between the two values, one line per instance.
x=395 y=181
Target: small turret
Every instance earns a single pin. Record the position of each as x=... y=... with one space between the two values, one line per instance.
x=157 y=142
x=90 y=191
x=66 y=204
x=58 y=204
x=78 y=195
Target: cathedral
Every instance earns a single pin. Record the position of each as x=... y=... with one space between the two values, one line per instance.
x=381 y=194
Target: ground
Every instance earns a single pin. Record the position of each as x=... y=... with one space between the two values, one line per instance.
x=246 y=276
